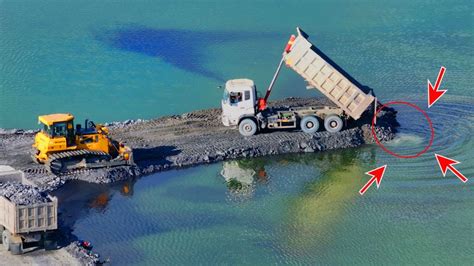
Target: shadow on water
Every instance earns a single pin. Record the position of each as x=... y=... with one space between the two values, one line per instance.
x=146 y=156
x=79 y=200
x=185 y=49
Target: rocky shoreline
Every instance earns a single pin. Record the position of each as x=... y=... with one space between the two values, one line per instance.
x=192 y=139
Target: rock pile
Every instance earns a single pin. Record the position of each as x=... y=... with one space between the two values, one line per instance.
x=86 y=257
x=22 y=194
x=124 y=123
x=4 y=131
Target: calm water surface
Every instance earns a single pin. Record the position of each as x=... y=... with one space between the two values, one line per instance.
x=116 y=60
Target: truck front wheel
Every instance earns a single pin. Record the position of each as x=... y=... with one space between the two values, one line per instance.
x=309 y=124
x=16 y=248
x=247 y=127
x=333 y=123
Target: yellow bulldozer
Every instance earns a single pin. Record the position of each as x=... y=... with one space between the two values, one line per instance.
x=63 y=148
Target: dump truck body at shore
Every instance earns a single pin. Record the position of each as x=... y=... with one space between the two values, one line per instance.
x=20 y=219
x=311 y=64
x=26 y=223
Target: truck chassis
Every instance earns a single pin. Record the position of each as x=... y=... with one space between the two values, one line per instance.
x=308 y=119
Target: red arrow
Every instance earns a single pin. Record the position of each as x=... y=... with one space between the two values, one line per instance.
x=433 y=93
x=446 y=163
x=377 y=175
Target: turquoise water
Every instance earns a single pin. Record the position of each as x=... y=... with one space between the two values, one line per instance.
x=116 y=60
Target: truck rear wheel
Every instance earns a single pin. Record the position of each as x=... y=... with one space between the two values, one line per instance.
x=6 y=239
x=309 y=124
x=247 y=127
x=1 y=233
x=333 y=123
x=49 y=241
x=50 y=244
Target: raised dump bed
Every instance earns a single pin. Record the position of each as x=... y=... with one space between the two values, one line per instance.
x=26 y=215
x=323 y=74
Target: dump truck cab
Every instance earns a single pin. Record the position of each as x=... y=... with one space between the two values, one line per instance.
x=239 y=101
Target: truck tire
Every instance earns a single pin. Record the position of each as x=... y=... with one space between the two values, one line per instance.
x=333 y=123
x=309 y=124
x=50 y=241
x=6 y=240
x=1 y=232
x=50 y=244
x=247 y=127
x=16 y=248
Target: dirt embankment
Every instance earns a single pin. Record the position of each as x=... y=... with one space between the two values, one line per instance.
x=195 y=138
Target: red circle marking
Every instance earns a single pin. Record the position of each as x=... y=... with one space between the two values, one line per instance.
x=396 y=154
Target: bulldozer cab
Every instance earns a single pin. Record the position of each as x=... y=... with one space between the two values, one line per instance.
x=239 y=100
x=59 y=125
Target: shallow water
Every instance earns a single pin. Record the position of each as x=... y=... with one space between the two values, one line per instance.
x=116 y=60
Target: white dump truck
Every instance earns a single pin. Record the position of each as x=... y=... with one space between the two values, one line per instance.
x=240 y=106
x=23 y=226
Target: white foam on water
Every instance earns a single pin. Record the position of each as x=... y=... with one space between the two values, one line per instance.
x=404 y=139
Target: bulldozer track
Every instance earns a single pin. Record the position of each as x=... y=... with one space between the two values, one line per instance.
x=56 y=161
x=39 y=171
x=44 y=171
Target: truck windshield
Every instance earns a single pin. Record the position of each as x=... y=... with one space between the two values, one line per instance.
x=225 y=97
x=47 y=130
x=59 y=129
